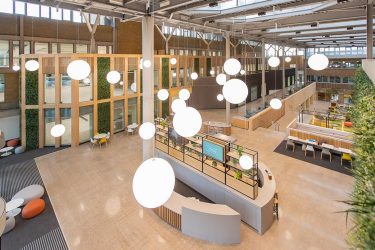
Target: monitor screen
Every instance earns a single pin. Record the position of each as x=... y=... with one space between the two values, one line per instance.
x=213 y=150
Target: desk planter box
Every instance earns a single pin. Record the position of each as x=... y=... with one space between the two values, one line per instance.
x=218 y=172
x=176 y=153
x=163 y=147
x=191 y=161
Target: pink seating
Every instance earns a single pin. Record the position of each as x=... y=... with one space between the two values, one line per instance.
x=348 y=124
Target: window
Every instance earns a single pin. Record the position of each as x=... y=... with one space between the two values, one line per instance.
x=44 y=11
x=49 y=88
x=118 y=121
x=132 y=110
x=93 y=18
x=6 y=6
x=66 y=83
x=4 y=53
x=54 y=49
x=109 y=49
x=86 y=123
x=20 y=8
x=77 y=17
x=66 y=120
x=56 y=13
x=49 y=122
x=66 y=15
x=32 y=10
x=41 y=48
x=102 y=49
x=81 y=48
x=66 y=48
x=2 y=88
x=26 y=47
x=16 y=52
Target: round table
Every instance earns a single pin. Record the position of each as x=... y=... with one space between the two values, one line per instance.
x=13 y=204
x=100 y=136
x=5 y=151
x=133 y=126
x=14 y=212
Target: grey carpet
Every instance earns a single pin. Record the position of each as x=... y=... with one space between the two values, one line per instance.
x=51 y=240
x=335 y=165
x=38 y=229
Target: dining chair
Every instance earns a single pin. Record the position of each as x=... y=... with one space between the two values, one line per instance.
x=346 y=157
x=108 y=136
x=290 y=143
x=102 y=141
x=130 y=131
x=93 y=142
x=326 y=151
x=311 y=149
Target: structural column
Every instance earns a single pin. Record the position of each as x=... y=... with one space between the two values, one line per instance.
x=148 y=81
x=283 y=63
x=370 y=23
x=227 y=56
x=263 y=90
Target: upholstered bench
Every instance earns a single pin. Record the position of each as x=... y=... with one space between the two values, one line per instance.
x=13 y=142
x=9 y=225
x=29 y=193
x=33 y=208
x=19 y=150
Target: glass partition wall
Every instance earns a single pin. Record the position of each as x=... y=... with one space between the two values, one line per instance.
x=92 y=105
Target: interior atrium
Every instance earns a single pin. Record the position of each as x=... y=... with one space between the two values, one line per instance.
x=186 y=124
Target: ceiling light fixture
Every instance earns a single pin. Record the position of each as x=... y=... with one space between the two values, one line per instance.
x=32 y=65
x=184 y=94
x=232 y=66
x=78 y=69
x=113 y=77
x=163 y=94
x=147 y=130
x=187 y=122
x=235 y=91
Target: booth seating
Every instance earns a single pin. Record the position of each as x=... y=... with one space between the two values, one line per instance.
x=326 y=151
x=348 y=124
x=290 y=143
x=346 y=157
x=9 y=225
x=19 y=150
x=30 y=193
x=310 y=148
x=33 y=208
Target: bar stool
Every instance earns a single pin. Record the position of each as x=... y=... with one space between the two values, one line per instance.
x=310 y=148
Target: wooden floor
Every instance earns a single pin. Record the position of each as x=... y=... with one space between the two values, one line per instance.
x=91 y=192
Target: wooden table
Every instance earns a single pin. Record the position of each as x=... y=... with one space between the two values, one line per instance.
x=100 y=136
x=217 y=126
x=226 y=138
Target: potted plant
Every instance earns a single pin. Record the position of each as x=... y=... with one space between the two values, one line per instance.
x=239 y=150
x=237 y=175
x=214 y=163
x=164 y=124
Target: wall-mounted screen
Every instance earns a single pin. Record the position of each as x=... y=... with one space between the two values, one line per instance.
x=213 y=150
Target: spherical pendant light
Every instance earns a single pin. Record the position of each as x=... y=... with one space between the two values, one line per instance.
x=78 y=69
x=146 y=64
x=187 y=122
x=275 y=103
x=147 y=130
x=57 y=130
x=178 y=105
x=220 y=97
x=212 y=72
x=173 y=61
x=174 y=74
x=184 y=94
x=32 y=65
x=113 y=77
x=273 y=61
x=221 y=79
x=163 y=94
x=153 y=183
x=232 y=66
x=288 y=59
x=86 y=80
x=246 y=162
x=133 y=87
x=318 y=62
x=235 y=91
x=242 y=72
x=122 y=83
x=194 y=76
x=16 y=68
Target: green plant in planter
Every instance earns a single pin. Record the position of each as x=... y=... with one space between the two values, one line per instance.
x=239 y=150
x=237 y=175
x=214 y=163
x=164 y=124
x=235 y=161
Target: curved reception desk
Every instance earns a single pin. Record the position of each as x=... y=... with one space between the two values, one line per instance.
x=257 y=213
x=216 y=127
x=215 y=223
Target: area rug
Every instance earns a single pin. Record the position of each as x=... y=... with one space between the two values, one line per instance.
x=335 y=165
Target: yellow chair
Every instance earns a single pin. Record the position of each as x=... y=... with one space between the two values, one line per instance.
x=102 y=141
x=346 y=157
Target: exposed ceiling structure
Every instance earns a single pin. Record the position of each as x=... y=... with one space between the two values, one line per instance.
x=301 y=23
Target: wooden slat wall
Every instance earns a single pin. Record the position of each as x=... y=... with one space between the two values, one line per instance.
x=169 y=216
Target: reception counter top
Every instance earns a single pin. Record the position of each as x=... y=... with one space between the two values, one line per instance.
x=217 y=127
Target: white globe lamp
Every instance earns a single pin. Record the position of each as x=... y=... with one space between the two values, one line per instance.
x=178 y=105
x=32 y=65
x=221 y=79
x=133 y=87
x=184 y=94
x=242 y=72
x=78 y=69
x=163 y=94
x=235 y=91
x=147 y=130
x=318 y=62
x=275 y=103
x=122 y=83
x=153 y=183
x=16 y=68
x=220 y=97
x=173 y=61
x=113 y=77
x=273 y=61
x=194 y=76
x=146 y=64
x=246 y=162
x=212 y=72
x=232 y=66
x=288 y=59
x=174 y=74
x=187 y=122
x=57 y=130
